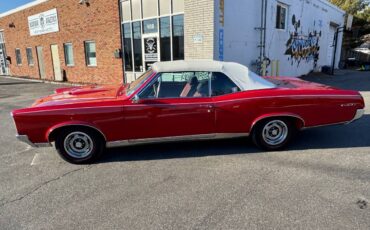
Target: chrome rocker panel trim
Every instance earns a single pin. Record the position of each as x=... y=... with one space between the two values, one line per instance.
x=115 y=144
x=25 y=139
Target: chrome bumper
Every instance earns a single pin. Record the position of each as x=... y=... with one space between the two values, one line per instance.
x=358 y=115
x=25 y=139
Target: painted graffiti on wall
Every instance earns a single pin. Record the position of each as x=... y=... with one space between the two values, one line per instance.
x=303 y=47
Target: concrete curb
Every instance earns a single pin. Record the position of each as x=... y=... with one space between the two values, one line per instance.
x=41 y=81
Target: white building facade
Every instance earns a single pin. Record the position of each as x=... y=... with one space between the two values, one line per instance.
x=277 y=38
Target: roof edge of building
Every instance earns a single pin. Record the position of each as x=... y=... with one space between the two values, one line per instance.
x=326 y=2
x=23 y=7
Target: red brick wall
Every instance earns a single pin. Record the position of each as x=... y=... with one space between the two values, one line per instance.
x=77 y=23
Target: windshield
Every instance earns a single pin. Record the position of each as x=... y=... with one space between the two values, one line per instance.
x=138 y=82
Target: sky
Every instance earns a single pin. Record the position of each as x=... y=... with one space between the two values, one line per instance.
x=6 y=5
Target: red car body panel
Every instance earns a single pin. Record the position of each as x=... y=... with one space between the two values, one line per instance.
x=108 y=110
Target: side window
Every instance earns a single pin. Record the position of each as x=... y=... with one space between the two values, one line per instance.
x=221 y=85
x=178 y=85
x=29 y=56
x=18 y=56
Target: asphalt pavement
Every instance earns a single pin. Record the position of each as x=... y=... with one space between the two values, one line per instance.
x=322 y=181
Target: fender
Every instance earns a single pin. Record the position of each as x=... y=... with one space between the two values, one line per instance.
x=255 y=121
x=72 y=123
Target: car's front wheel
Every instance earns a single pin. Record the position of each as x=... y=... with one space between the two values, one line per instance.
x=273 y=134
x=79 y=145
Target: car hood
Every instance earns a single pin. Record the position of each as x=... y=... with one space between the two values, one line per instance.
x=81 y=94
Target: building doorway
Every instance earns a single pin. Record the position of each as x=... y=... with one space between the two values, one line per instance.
x=330 y=53
x=4 y=70
x=56 y=63
x=151 y=51
x=40 y=60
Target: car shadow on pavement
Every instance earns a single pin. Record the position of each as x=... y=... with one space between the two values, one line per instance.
x=354 y=135
x=344 y=136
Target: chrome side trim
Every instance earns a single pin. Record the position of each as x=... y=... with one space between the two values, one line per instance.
x=43 y=145
x=82 y=125
x=319 y=126
x=359 y=113
x=214 y=136
x=24 y=139
x=279 y=115
x=216 y=102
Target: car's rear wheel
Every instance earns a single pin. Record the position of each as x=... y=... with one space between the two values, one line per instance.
x=79 y=145
x=274 y=133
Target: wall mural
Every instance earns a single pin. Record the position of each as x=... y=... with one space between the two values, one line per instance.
x=303 y=47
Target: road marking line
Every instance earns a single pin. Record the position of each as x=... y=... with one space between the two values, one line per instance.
x=23 y=151
x=35 y=159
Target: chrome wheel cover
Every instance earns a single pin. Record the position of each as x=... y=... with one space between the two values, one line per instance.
x=78 y=145
x=275 y=132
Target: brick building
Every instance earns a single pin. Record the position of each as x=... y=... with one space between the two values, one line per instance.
x=69 y=42
x=107 y=41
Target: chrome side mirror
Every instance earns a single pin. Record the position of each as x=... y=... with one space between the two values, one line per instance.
x=135 y=99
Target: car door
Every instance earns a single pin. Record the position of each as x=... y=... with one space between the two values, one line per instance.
x=231 y=110
x=172 y=105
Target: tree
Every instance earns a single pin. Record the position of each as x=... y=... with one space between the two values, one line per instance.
x=359 y=8
x=365 y=14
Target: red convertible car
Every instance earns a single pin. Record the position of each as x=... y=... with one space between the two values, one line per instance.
x=183 y=100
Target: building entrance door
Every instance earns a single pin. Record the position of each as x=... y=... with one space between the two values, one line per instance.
x=330 y=54
x=40 y=60
x=56 y=63
x=3 y=62
x=151 y=50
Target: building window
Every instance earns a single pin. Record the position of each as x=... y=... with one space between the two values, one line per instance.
x=161 y=22
x=138 y=51
x=29 y=56
x=165 y=41
x=178 y=37
x=68 y=54
x=150 y=8
x=136 y=9
x=18 y=56
x=127 y=46
x=178 y=6
x=90 y=53
x=150 y=26
x=281 y=16
x=165 y=7
x=126 y=10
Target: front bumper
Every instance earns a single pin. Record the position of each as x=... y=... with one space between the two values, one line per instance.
x=25 y=139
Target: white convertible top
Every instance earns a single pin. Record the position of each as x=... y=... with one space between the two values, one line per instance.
x=239 y=74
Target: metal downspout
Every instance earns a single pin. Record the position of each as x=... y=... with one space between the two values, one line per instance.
x=261 y=32
x=121 y=38
x=264 y=29
x=262 y=43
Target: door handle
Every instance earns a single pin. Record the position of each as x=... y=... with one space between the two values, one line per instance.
x=207 y=106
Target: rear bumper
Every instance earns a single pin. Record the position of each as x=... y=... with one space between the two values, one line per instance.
x=25 y=139
x=358 y=115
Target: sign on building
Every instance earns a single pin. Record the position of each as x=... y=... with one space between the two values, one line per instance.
x=151 y=49
x=43 y=23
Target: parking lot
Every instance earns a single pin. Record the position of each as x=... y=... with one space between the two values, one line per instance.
x=322 y=181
